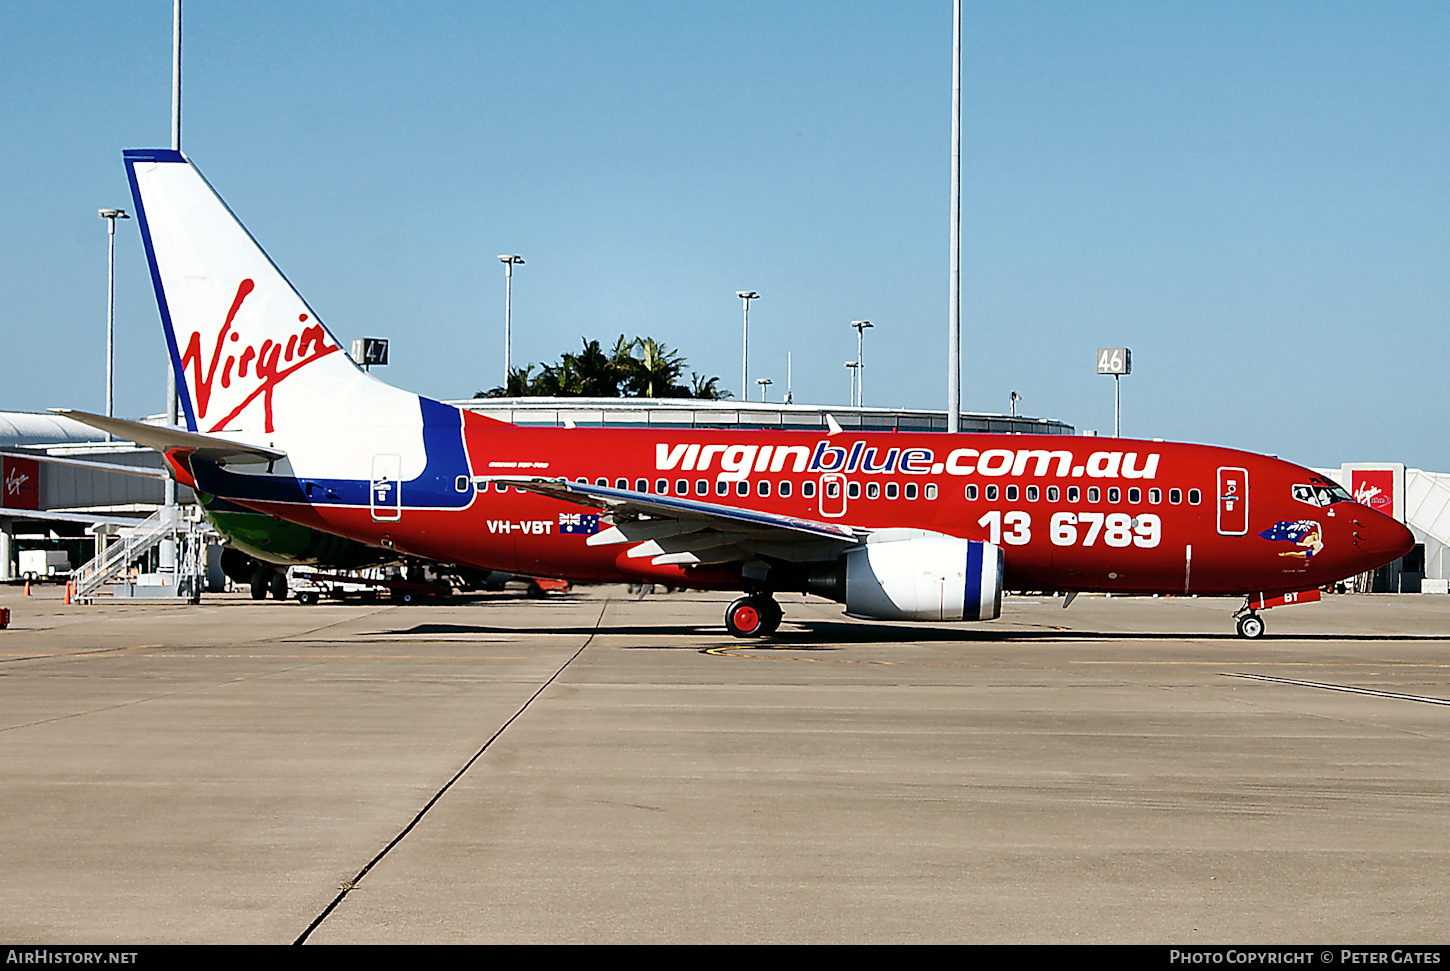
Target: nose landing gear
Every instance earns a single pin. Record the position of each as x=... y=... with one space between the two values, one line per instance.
x=756 y=615
x=1251 y=625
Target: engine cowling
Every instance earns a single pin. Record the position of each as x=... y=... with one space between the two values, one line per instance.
x=921 y=578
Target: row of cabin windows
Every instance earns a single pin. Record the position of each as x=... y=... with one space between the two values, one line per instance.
x=1094 y=494
x=763 y=488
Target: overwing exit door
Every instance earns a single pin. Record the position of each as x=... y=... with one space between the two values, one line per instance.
x=1233 y=501
x=385 y=492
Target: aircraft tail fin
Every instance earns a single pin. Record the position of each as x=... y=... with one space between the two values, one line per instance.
x=248 y=351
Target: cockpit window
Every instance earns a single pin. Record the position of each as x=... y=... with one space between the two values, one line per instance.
x=1322 y=494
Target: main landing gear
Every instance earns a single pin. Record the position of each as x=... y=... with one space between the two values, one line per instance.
x=755 y=615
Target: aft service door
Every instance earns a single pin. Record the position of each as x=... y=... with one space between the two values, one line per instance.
x=1233 y=502
x=385 y=494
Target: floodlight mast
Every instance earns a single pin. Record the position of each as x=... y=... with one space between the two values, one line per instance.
x=111 y=215
x=860 y=326
x=508 y=261
x=745 y=297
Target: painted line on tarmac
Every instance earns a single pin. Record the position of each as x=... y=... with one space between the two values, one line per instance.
x=1426 y=699
x=352 y=884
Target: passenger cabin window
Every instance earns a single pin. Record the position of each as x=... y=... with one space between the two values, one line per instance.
x=1135 y=496
x=873 y=491
x=682 y=487
x=1011 y=493
x=911 y=490
x=892 y=490
x=808 y=489
x=972 y=492
x=621 y=483
x=1155 y=496
x=1194 y=497
x=603 y=482
x=991 y=492
x=702 y=487
x=833 y=489
x=662 y=486
x=641 y=485
x=722 y=488
x=1073 y=492
x=1175 y=496
x=1032 y=493
x=931 y=490
x=1052 y=494
x=742 y=488
x=853 y=490
x=1094 y=495
x=785 y=489
x=763 y=488
x=1115 y=494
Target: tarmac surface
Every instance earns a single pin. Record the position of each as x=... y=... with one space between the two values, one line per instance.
x=592 y=768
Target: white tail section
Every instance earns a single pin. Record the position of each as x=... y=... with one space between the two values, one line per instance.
x=252 y=357
x=240 y=335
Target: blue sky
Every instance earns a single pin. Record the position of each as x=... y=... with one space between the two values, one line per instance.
x=1251 y=196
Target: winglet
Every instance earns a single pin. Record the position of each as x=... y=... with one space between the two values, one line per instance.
x=832 y=424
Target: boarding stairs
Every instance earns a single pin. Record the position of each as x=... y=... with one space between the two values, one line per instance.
x=135 y=542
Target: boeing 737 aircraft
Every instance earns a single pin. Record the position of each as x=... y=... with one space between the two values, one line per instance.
x=925 y=527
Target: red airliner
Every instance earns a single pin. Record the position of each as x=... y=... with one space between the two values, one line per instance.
x=926 y=527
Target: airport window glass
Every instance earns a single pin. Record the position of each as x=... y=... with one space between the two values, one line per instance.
x=1032 y=493
x=784 y=488
x=931 y=490
x=702 y=487
x=1175 y=496
x=1073 y=492
x=1115 y=494
x=808 y=489
x=1094 y=494
x=1155 y=496
x=641 y=485
x=763 y=488
x=1011 y=493
x=972 y=492
x=742 y=488
x=873 y=491
x=1052 y=494
x=682 y=487
x=892 y=490
x=853 y=490
x=991 y=493
x=1135 y=495
x=1194 y=497
x=722 y=488
x=911 y=490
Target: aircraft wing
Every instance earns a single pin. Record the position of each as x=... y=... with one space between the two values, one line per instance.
x=675 y=530
x=165 y=438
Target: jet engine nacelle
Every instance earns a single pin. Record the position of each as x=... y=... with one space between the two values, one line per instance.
x=924 y=578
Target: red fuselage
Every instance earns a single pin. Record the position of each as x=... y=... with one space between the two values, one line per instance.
x=1082 y=514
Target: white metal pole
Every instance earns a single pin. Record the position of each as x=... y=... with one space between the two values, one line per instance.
x=1116 y=378
x=745 y=349
x=954 y=313
x=110 y=317
x=508 y=302
x=169 y=549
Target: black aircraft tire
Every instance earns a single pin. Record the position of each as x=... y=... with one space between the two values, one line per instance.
x=1251 y=626
x=746 y=618
x=277 y=586
x=259 y=585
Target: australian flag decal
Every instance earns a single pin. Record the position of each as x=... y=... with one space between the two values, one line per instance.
x=1304 y=533
x=579 y=523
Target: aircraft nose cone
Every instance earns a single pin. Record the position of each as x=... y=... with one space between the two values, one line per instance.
x=1383 y=536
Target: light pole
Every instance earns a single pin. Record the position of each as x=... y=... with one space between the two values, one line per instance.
x=508 y=262
x=745 y=297
x=954 y=285
x=1013 y=399
x=860 y=326
x=764 y=383
x=111 y=215
x=855 y=368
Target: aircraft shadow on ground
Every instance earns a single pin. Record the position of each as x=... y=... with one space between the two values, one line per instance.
x=823 y=634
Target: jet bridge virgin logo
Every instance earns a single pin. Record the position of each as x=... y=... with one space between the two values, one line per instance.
x=258 y=370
